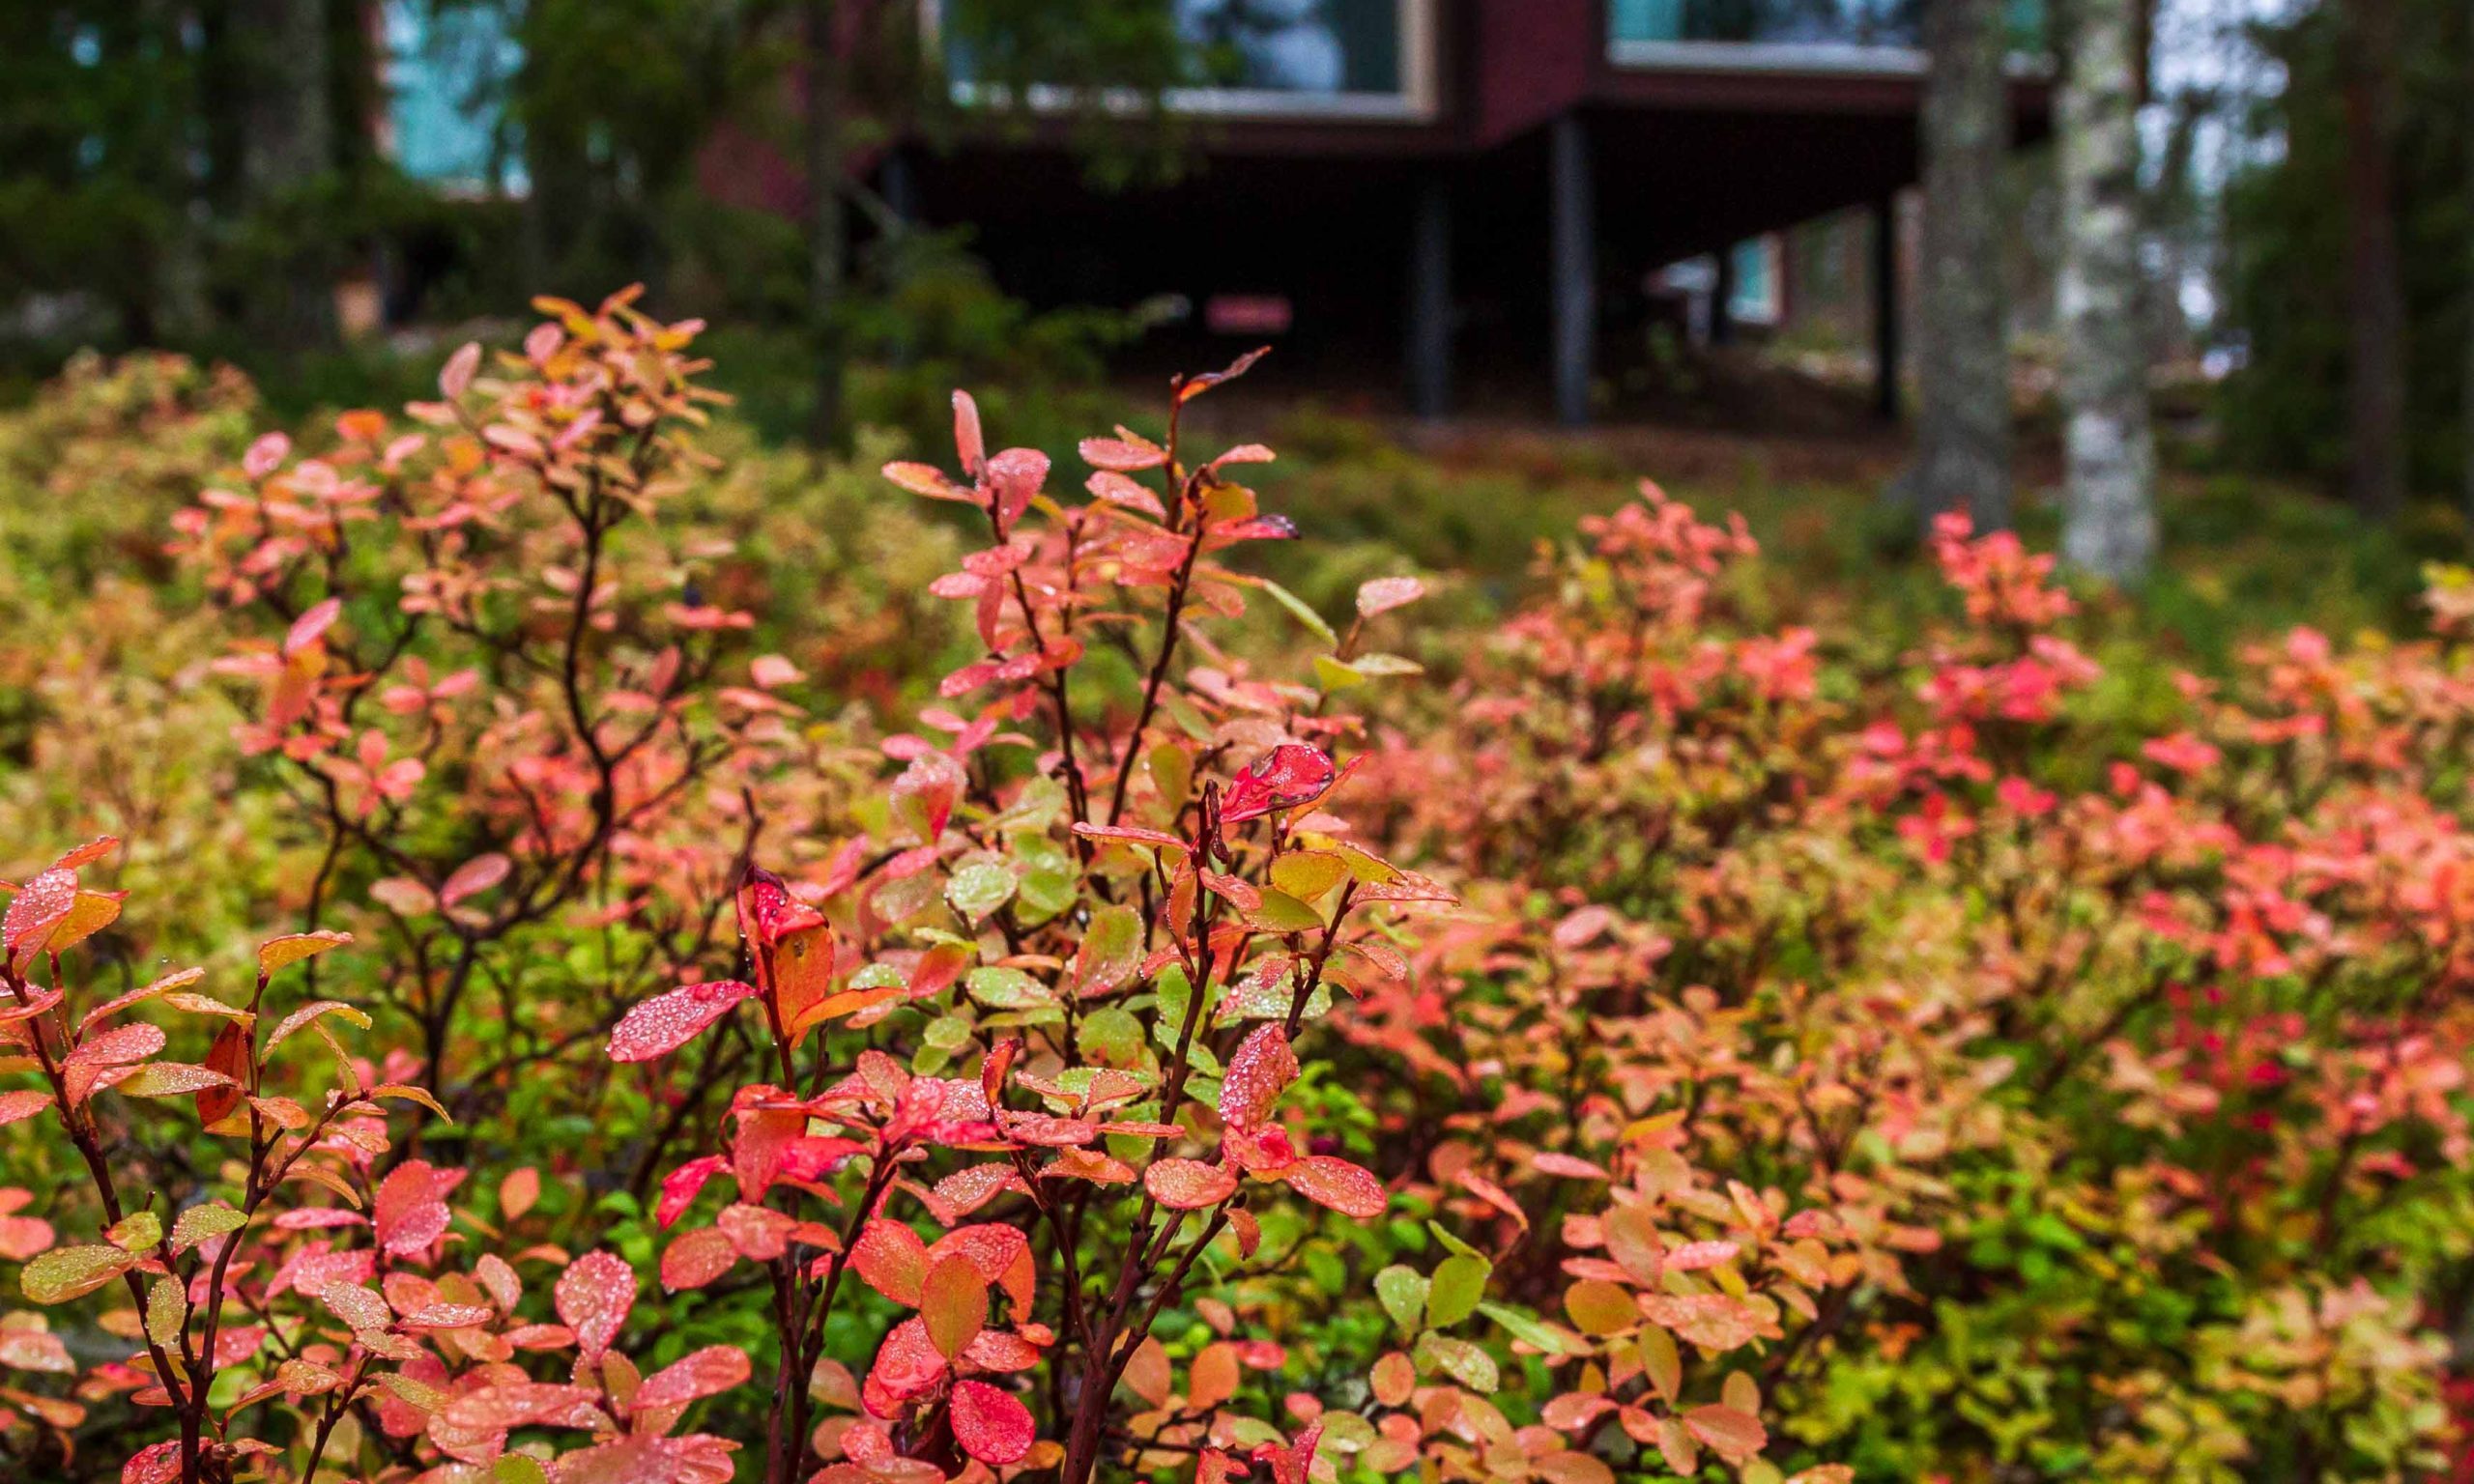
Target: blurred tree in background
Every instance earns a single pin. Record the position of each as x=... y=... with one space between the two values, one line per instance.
x=220 y=176
x=2295 y=287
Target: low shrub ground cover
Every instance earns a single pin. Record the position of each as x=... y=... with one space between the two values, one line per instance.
x=706 y=972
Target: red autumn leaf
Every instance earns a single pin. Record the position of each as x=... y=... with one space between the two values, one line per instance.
x=1259 y=1070
x=1734 y=1434
x=1386 y=594
x=38 y=907
x=907 y=1368
x=1345 y=1188
x=678 y=1188
x=474 y=878
x=313 y=623
x=592 y=1298
x=891 y=1259
x=431 y=1317
x=1123 y=455
x=928 y=480
x=768 y=912
x=455 y=378
x=517 y=1404
x=1189 y=1184
x=669 y=1021
x=155 y=1464
x=990 y=1424
x=1695 y=1255
x=716 y=1368
x=696 y=1258
x=1290 y=1465
x=969 y=444
x=411 y=1212
x=1014 y=479
x=23 y=1104
x=1001 y=1255
x=1289 y=775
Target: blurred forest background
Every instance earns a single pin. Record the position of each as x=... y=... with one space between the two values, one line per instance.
x=321 y=191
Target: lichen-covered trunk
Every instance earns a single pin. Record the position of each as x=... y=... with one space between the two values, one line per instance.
x=2109 y=524
x=282 y=71
x=1962 y=366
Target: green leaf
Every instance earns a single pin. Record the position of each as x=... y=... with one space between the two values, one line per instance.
x=136 y=1231
x=1172 y=772
x=310 y=1014
x=170 y=1079
x=200 y=1222
x=978 y=890
x=1386 y=665
x=1111 y=951
x=1462 y=1361
x=1304 y=613
x=167 y=1309
x=1112 y=1037
x=1008 y=989
x=1280 y=912
x=1459 y=1284
x=1402 y=1292
x=1523 y=1326
x=1334 y=677
x=64 y=1273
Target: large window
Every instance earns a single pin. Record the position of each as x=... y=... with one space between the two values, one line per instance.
x=446 y=72
x=1306 y=58
x=1840 y=22
x=1823 y=34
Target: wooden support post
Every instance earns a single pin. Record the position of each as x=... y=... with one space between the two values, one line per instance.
x=895 y=183
x=1571 y=229
x=1885 y=320
x=1723 y=296
x=1428 y=340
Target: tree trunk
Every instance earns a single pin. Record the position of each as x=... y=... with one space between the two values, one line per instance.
x=2109 y=526
x=286 y=142
x=2465 y=430
x=289 y=137
x=2375 y=286
x=1962 y=368
x=828 y=224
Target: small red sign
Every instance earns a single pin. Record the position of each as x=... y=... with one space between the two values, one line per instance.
x=1247 y=314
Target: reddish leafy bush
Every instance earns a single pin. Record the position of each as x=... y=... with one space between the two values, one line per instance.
x=1688 y=1044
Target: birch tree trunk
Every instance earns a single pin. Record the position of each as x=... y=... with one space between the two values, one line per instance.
x=1962 y=366
x=2109 y=525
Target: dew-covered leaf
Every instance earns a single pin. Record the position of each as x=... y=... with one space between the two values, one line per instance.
x=276 y=953
x=1329 y=1181
x=592 y=1298
x=990 y=1425
x=1189 y=1184
x=64 y=1273
x=669 y=1021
